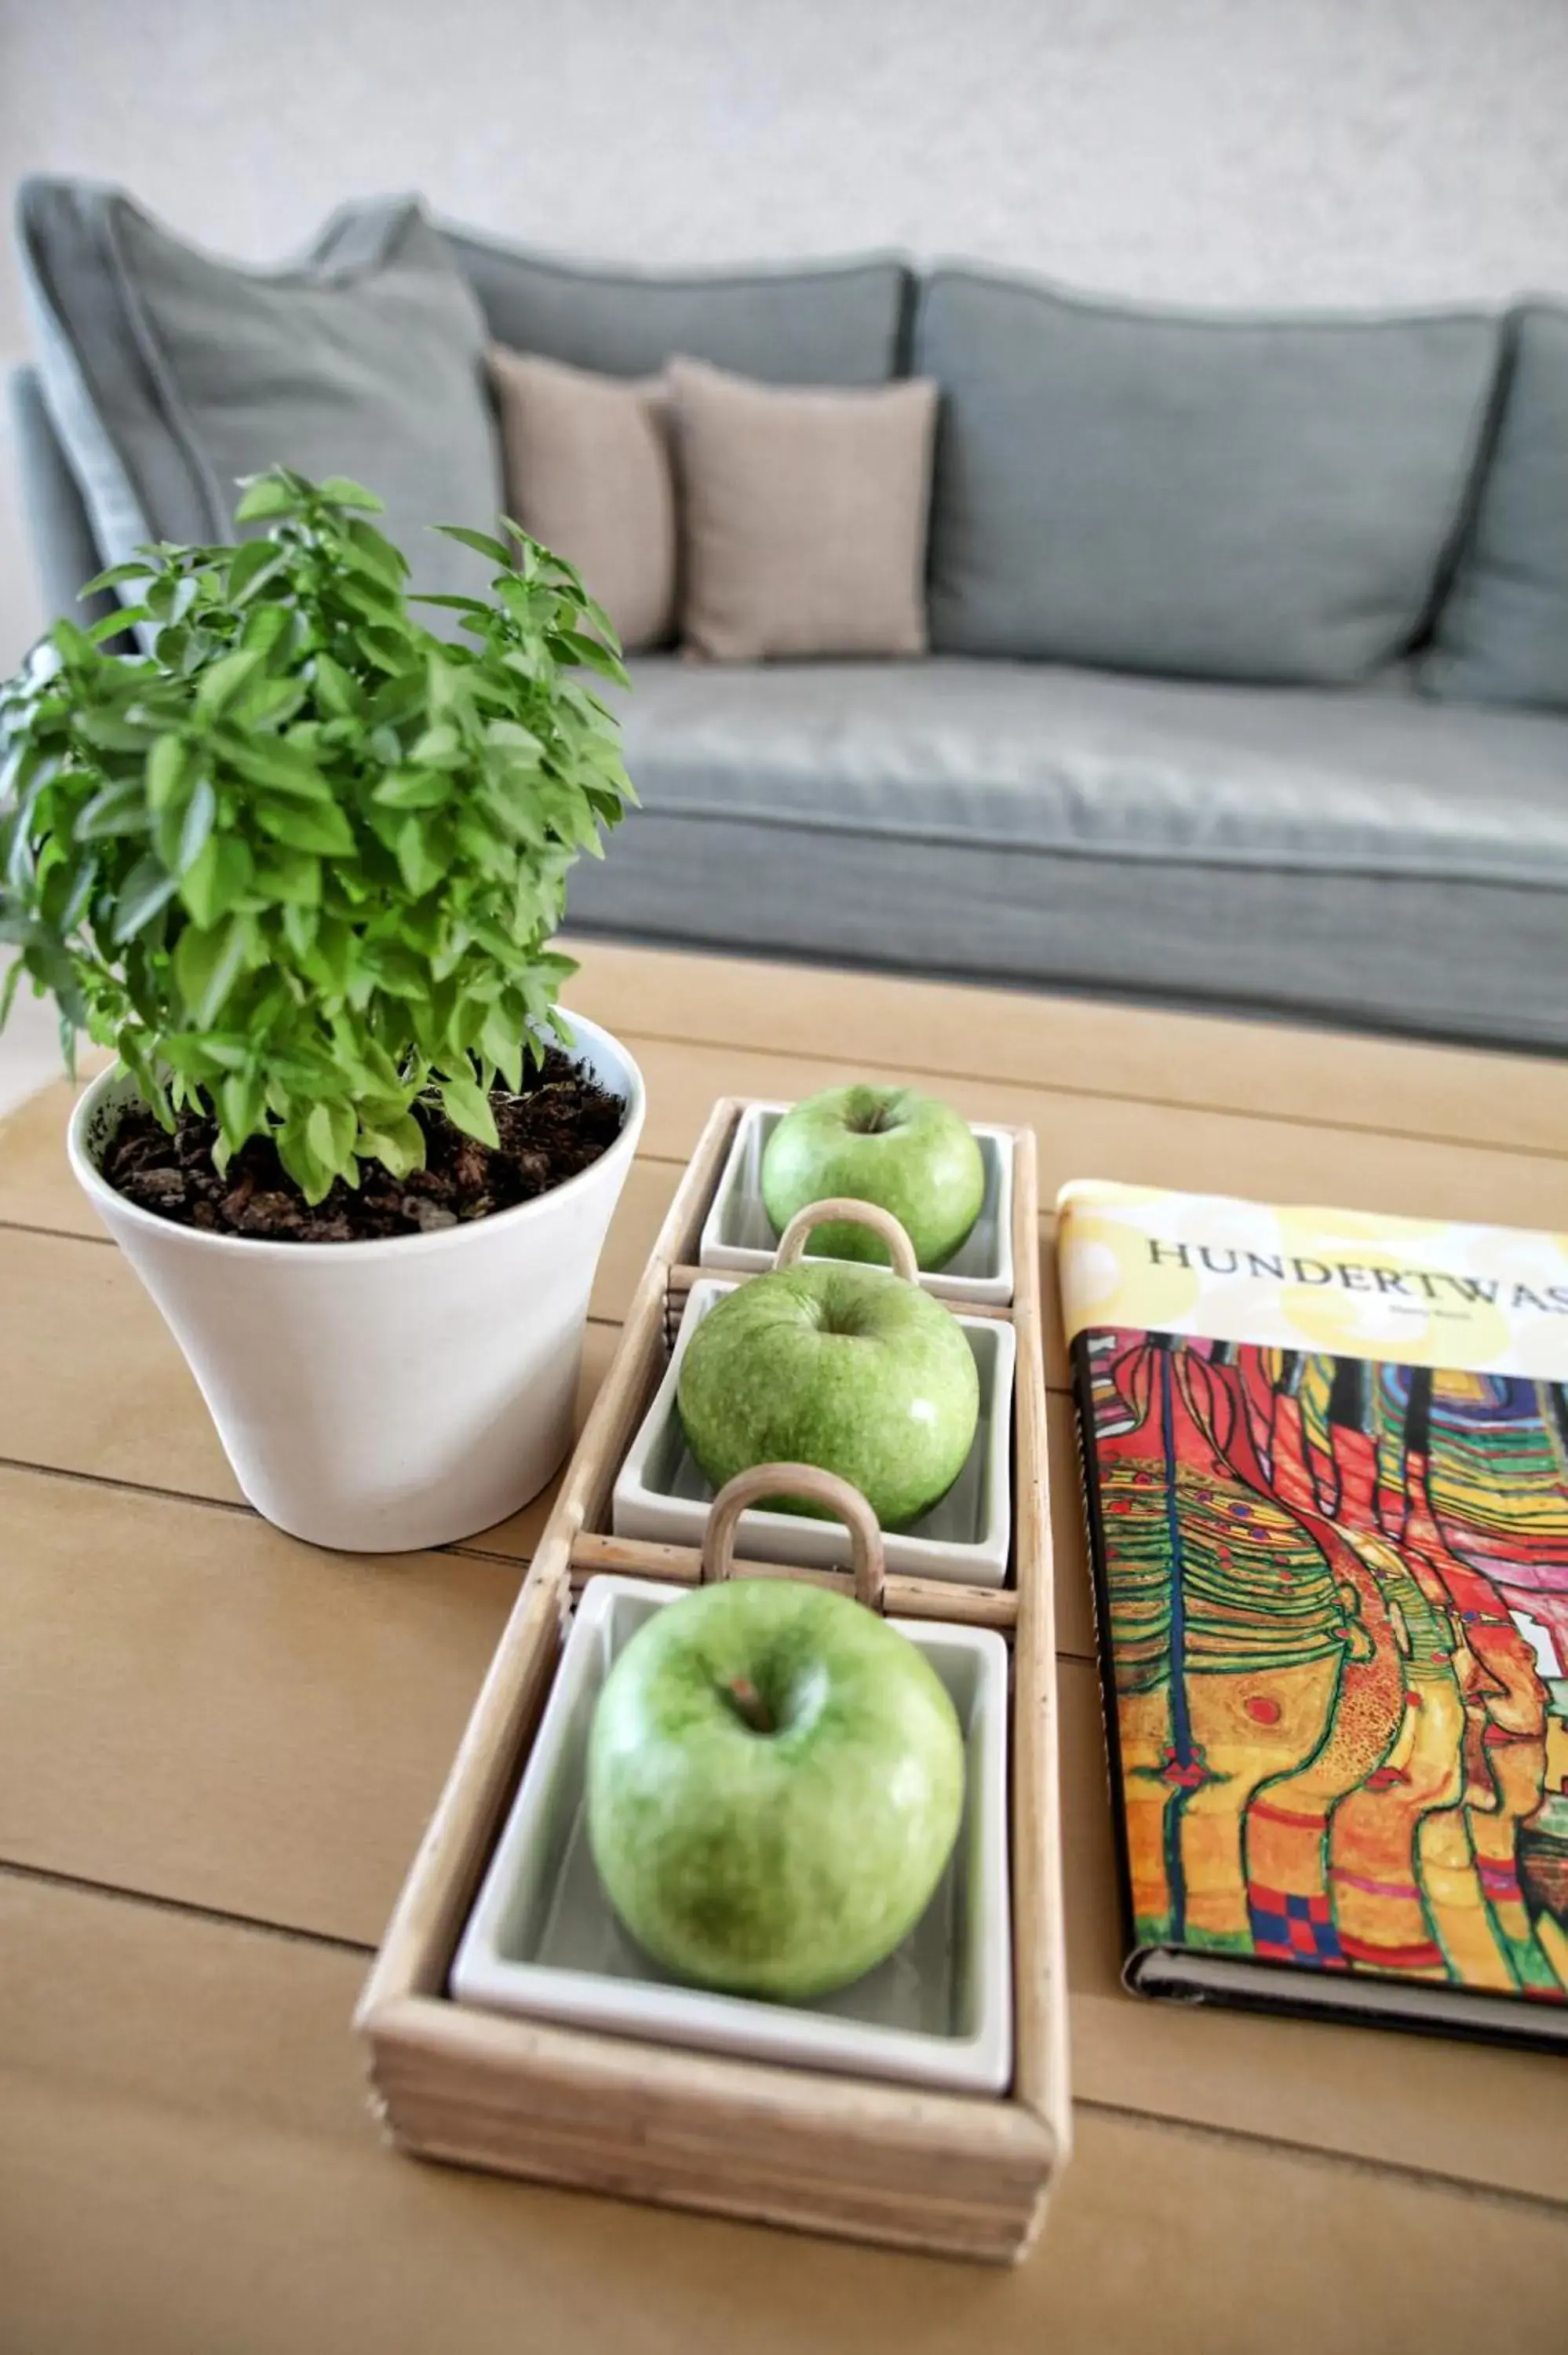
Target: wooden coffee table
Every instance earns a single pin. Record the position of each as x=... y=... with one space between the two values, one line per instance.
x=218 y=1750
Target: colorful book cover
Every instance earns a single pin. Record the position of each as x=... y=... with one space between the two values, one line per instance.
x=1326 y=1470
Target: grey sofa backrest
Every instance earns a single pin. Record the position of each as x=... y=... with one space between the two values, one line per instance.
x=1502 y=634
x=1274 y=499
x=813 y=323
x=1201 y=495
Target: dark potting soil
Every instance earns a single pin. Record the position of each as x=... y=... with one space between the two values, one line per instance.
x=562 y=1122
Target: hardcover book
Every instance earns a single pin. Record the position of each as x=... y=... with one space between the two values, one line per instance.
x=1326 y=1471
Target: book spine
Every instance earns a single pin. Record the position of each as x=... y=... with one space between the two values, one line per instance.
x=1099 y=1588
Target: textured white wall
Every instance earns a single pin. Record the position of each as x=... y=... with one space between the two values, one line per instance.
x=1283 y=152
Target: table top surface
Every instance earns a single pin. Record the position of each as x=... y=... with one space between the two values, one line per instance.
x=218 y=1748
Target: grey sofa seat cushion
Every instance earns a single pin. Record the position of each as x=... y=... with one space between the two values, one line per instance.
x=1502 y=633
x=828 y=323
x=169 y=373
x=1319 y=854
x=1084 y=763
x=1265 y=499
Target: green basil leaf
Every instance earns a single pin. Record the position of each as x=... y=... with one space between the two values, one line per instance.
x=241 y=1107
x=398 y=1144
x=440 y=747
x=314 y=1180
x=267 y=495
x=219 y=878
x=293 y=877
x=168 y=761
x=254 y=566
x=330 y=1132
x=339 y=695
x=495 y=550
x=119 y=809
x=133 y=569
x=283 y=766
x=225 y=682
x=146 y=891
x=111 y=731
x=206 y=966
x=300 y=927
x=368 y=547
x=589 y=650
x=343 y=490
x=467 y=1106
x=112 y=625
x=501 y=1037
x=201 y=814
x=422 y=857
x=412 y=789
x=308 y=825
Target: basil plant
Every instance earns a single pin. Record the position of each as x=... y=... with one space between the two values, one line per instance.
x=302 y=863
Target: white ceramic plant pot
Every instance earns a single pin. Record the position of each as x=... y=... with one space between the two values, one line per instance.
x=383 y=1396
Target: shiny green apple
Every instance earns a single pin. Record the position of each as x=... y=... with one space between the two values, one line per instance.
x=908 y=1152
x=849 y=1368
x=775 y=1782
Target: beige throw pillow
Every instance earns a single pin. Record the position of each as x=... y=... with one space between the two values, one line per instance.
x=589 y=472
x=803 y=515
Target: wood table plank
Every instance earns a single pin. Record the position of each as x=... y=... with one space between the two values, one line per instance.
x=954 y=1031
x=92 y=1379
x=193 y=1706
x=37 y=1188
x=1277 y=1160
x=189 y=2168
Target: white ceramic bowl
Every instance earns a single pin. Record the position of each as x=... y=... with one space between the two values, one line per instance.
x=737 y=1232
x=660 y=1494
x=542 y=1940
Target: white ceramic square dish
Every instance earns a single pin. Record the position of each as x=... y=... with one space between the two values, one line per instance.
x=737 y=1232
x=542 y=1939
x=660 y=1493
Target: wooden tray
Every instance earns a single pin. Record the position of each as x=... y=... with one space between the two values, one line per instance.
x=958 y=2174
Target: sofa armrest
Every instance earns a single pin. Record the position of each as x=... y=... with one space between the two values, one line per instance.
x=64 y=551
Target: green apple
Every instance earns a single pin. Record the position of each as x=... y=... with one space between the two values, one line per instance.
x=848 y=1368
x=775 y=1782
x=910 y=1153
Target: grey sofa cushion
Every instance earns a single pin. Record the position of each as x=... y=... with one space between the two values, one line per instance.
x=1364 y=858
x=1025 y=755
x=1502 y=634
x=169 y=373
x=1268 y=499
x=830 y=323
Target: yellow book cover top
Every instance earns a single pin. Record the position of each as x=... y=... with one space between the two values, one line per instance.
x=1327 y=1471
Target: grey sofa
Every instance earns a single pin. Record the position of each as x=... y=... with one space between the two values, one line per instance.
x=1249 y=680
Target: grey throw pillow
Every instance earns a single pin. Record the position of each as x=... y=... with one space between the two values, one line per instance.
x=1267 y=499
x=823 y=323
x=169 y=373
x=1502 y=634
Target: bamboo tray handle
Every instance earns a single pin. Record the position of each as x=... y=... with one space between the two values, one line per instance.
x=818 y=1487
x=901 y=1250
